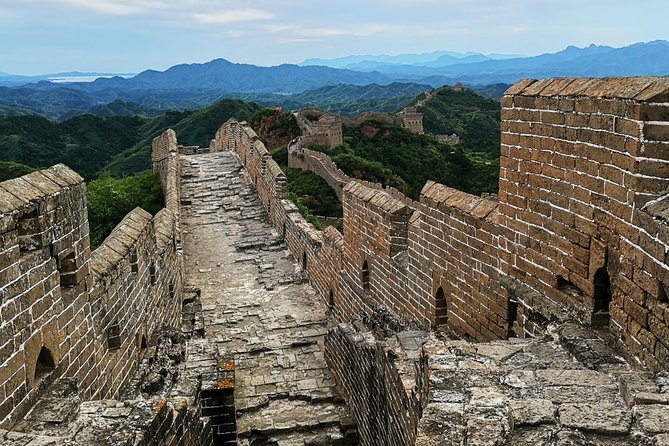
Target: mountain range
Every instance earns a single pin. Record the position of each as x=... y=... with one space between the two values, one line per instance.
x=190 y=86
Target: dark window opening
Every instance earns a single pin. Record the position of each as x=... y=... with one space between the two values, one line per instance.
x=304 y=261
x=284 y=229
x=441 y=308
x=331 y=301
x=68 y=271
x=134 y=266
x=365 y=276
x=45 y=364
x=511 y=317
x=114 y=336
x=602 y=297
x=171 y=290
x=152 y=273
x=662 y=293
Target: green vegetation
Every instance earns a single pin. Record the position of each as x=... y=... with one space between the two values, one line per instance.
x=124 y=108
x=120 y=145
x=474 y=118
x=345 y=99
x=193 y=128
x=311 y=194
x=110 y=199
x=116 y=150
x=308 y=216
x=385 y=153
x=10 y=169
x=85 y=143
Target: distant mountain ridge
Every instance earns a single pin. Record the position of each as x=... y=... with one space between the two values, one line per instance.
x=196 y=85
x=651 y=58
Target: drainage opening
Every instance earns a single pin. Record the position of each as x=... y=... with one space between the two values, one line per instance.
x=219 y=406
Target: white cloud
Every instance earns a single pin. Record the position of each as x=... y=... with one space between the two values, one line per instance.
x=116 y=7
x=233 y=16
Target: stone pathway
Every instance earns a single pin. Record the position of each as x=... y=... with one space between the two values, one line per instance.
x=259 y=310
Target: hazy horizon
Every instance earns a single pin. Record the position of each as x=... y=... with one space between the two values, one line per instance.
x=130 y=36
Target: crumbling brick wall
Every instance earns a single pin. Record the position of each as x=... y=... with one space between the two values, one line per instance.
x=384 y=384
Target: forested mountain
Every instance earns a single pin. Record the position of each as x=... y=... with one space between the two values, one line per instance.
x=120 y=145
x=475 y=119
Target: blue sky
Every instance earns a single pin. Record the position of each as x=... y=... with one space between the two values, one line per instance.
x=40 y=36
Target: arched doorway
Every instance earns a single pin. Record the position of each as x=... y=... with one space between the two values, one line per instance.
x=45 y=364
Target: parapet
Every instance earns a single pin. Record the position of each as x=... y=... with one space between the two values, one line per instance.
x=441 y=197
x=164 y=145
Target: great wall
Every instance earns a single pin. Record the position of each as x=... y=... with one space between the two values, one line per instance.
x=538 y=318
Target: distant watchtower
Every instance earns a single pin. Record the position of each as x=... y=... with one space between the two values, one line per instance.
x=410 y=119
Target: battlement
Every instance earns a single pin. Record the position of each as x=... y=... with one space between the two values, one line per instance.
x=68 y=312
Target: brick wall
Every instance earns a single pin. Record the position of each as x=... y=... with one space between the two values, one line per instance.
x=580 y=159
x=318 y=163
x=67 y=311
x=456 y=246
x=384 y=384
x=580 y=221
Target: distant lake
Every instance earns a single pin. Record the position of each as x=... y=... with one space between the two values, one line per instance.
x=70 y=79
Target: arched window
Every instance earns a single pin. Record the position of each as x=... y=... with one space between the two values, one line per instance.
x=441 y=314
x=45 y=364
x=365 y=276
x=602 y=297
x=331 y=301
x=304 y=261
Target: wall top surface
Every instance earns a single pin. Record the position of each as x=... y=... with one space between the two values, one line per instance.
x=642 y=89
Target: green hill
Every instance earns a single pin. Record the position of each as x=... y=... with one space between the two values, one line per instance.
x=385 y=153
x=193 y=128
x=120 y=145
x=124 y=108
x=10 y=169
x=471 y=116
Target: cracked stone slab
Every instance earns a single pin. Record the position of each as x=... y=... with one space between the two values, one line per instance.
x=599 y=418
x=258 y=308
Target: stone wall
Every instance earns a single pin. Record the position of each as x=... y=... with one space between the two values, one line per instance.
x=318 y=163
x=67 y=311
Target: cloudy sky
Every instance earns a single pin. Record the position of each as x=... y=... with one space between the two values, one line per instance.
x=40 y=36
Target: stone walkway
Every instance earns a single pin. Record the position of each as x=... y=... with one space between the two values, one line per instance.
x=258 y=310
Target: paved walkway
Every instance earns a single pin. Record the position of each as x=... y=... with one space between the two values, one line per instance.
x=258 y=309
